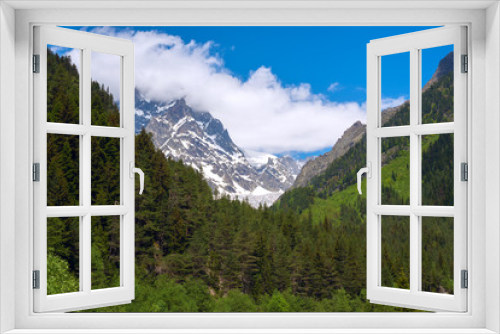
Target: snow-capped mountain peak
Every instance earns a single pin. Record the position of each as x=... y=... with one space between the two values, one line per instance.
x=200 y=140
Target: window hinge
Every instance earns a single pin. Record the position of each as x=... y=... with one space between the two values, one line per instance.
x=36 y=279
x=465 y=279
x=464 y=171
x=36 y=63
x=465 y=63
x=36 y=172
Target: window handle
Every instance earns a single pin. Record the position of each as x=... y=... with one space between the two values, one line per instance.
x=368 y=171
x=134 y=170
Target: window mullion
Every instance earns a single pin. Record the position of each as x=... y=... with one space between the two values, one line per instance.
x=414 y=173
x=82 y=235
x=86 y=250
x=85 y=247
x=418 y=135
x=373 y=183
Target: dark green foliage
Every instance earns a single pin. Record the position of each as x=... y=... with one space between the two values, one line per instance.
x=105 y=182
x=437 y=101
x=63 y=170
x=63 y=247
x=396 y=252
x=105 y=112
x=437 y=189
x=175 y=203
x=437 y=172
x=60 y=278
x=402 y=117
x=233 y=258
x=300 y=199
x=63 y=89
x=437 y=254
x=395 y=162
x=338 y=176
x=105 y=252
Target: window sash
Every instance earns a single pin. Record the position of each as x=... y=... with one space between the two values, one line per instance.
x=413 y=43
x=86 y=297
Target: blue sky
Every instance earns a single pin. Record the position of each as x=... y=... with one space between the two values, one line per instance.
x=322 y=70
x=330 y=54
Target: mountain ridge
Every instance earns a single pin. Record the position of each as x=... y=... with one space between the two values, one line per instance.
x=318 y=165
x=201 y=141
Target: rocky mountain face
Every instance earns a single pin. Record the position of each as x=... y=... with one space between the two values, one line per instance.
x=314 y=167
x=145 y=109
x=201 y=141
x=445 y=66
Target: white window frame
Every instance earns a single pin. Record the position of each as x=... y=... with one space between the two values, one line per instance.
x=414 y=43
x=483 y=100
x=87 y=43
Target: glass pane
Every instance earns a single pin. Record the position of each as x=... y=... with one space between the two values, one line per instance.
x=105 y=171
x=106 y=76
x=437 y=169
x=63 y=170
x=395 y=171
x=395 y=90
x=63 y=258
x=396 y=252
x=105 y=258
x=437 y=254
x=63 y=85
x=437 y=84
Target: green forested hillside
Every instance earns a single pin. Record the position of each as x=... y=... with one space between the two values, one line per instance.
x=333 y=190
x=198 y=254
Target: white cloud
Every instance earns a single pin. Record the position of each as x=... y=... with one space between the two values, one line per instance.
x=105 y=69
x=333 y=87
x=261 y=114
x=390 y=102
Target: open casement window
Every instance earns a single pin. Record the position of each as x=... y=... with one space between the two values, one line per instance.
x=422 y=213
x=83 y=171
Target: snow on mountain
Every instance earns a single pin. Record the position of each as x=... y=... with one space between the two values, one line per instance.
x=258 y=159
x=200 y=140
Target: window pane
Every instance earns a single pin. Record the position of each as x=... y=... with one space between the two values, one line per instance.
x=437 y=84
x=63 y=170
x=105 y=171
x=105 y=260
x=395 y=90
x=395 y=254
x=63 y=84
x=437 y=169
x=63 y=260
x=106 y=72
x=395 y=171
x=437 y=254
